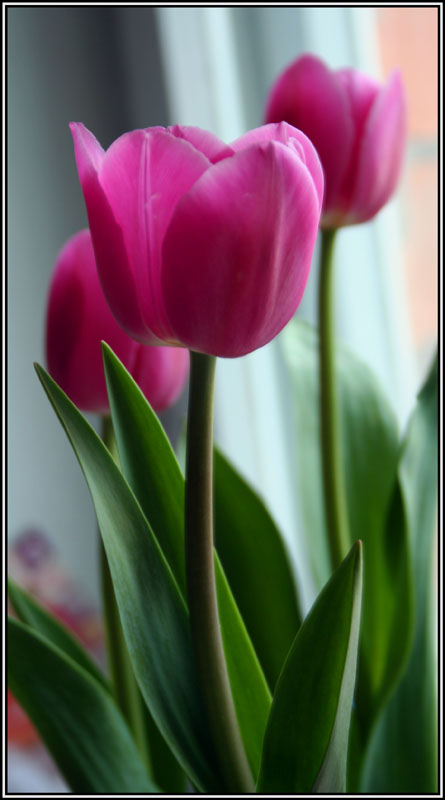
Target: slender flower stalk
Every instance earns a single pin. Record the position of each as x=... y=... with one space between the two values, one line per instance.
x=201 y=588
x=333 y=471
x=123 y=681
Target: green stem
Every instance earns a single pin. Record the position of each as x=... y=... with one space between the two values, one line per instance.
x=201 y=588
x=123 y=681
x=333 y=472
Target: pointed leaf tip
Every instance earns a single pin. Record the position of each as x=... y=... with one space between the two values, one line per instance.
x=306 y=740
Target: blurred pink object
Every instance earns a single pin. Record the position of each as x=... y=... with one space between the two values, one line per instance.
x=199 y=243
x=357 y=126
x=78 y=318
x=21 y=731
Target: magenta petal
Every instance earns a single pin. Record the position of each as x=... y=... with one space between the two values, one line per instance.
x=161 y=373
x=207 y=143
x=287 y=134
x=111 y=256
x=381 y=151
x=310 y=97
x=87 y=150
x=361 y=91
x=143 y=175
x=238 y=250
x=77 y=319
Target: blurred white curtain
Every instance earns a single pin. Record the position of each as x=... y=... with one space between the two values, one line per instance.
x=219 y=65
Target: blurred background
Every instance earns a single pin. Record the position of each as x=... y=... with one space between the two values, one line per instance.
x=117 y=68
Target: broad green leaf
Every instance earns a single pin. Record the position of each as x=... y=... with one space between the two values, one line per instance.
x=306 y=741
x=404 y=748
x=157 y=756
x=153 y=613
x=299 y=342
x=256 y=563
x=152 y=471
x=370 y=446
x=162 y=765
x=75 y=716
x=33 y=614
x=376 y=509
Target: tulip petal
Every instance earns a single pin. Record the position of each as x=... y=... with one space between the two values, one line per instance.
x=63 y=319
x=361 y=91
x=77 y=319
x=111 y=257
x=89 y=153
x=160 y=373
x=381 y=151
x=238 y=249
x=310 y=97
x=287 y=134
x=207 y=143
x=143 y=174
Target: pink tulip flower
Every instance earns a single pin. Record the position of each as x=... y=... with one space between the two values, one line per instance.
x=199 y=243
x=357 y=126
x=78 y=318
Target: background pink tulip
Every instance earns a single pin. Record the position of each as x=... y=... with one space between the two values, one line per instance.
x=78 y=318
x=199 y=243
x=357 y=126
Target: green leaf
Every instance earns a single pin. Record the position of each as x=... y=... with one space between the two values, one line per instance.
x=152 y=471
x=38 y=618
x=370 y=447
x=164 y=767
x=306 y=741
x=75 y=716
x=300 y=342
x=153 y=613
x=256 y=563
x=161 y=764
x=403 y=751
x=376 y=512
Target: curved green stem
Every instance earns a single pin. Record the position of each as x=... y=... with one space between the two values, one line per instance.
x=201 y=589
x=123 y=681
x=333 y=468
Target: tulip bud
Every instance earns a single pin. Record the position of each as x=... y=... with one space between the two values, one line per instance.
x=78 y=318
x=358 y=128
x=199 y=243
